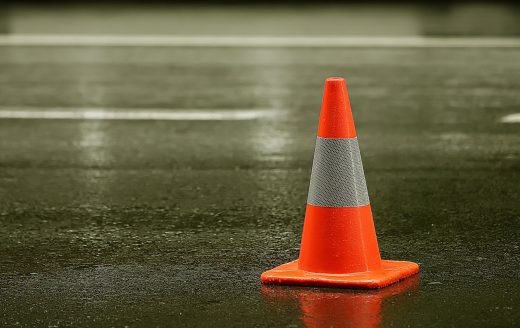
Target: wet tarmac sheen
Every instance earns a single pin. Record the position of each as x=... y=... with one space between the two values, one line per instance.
x=170 y=223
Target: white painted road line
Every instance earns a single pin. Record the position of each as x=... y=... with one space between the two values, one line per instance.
x=255 y=41
x=133 y=114
x=511 y=118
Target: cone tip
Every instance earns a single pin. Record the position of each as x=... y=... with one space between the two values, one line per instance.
x=335 y=82
x=336 y=116
x=334 y=79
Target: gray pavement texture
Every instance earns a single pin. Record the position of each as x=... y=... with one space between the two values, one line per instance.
x=155 y=223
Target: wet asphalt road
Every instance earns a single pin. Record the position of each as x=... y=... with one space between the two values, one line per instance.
x=156 y=223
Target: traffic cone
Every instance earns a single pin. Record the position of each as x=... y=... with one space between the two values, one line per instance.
x=339 y=245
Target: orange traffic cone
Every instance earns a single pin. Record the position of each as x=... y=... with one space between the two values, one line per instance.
x=339 y=245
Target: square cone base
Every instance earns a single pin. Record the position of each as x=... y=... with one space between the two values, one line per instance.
x=390 y=272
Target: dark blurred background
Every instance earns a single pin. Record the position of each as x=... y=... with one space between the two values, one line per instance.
x=435 y=18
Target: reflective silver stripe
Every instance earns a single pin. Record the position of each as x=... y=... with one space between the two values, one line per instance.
x=337 y=178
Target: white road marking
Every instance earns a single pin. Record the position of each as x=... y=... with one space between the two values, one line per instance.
x=254 y=41
x=511 y=118
x=133 y=114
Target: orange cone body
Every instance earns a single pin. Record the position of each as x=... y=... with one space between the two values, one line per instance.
x=339 y=245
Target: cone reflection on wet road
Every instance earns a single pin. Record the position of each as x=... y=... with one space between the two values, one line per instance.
x=338 y=308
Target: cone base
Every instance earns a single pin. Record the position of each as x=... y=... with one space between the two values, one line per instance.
x=390 y=272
